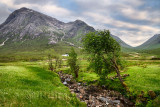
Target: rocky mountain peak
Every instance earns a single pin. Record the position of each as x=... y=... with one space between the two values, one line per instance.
x=79 y=22
x=24 y=24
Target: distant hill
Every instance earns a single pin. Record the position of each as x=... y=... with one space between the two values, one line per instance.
x=152 y=43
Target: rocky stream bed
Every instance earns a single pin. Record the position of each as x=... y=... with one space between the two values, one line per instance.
x=95 y=96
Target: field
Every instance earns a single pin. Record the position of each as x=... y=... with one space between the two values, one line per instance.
x=144 y=78
x=29 y=84
x=34 y=85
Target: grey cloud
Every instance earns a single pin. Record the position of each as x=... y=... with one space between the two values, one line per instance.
x=4 y=12
x=34 y=1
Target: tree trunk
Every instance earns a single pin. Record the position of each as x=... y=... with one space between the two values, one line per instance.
x=118 y=73
x=76 y=74
x=76 y=71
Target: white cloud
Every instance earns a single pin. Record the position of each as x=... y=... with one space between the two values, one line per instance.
x=133 y=38
x=48 y=8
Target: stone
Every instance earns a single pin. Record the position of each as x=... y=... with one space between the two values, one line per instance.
x=80 y=96
x=104 y=100
x=79 y=83
x=86 y=101
x=82 y=91
x=76 y=90
x=116 y=101
x=65 y=83
x=84 y=84
x=152 y=94
x=118 y=106
x=68 y=79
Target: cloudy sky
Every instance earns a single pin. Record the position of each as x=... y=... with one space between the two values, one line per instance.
x=134 y=21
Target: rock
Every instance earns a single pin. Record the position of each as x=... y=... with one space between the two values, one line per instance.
x=116 y=101
x=62 y=79
x=82 y=91
x=80 y=96
x=84 y=84
x=152 y=94
x=97 y=102
x=104 y=100
x=86 y=101
x=74 y=86
x=118 y=106
x=65 y=83
x=86 y=96
x=76 y=90
x=79 y=83
x=68 y=79
x=72 y=90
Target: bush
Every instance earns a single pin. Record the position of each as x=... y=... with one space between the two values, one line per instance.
x=72 y=62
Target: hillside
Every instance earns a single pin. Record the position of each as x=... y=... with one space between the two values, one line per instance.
x=151 y=46
x=152 y=43
x=25 y=24
x=28 y=84
x=122 y=43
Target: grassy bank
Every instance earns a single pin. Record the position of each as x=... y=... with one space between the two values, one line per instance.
x=31 y=85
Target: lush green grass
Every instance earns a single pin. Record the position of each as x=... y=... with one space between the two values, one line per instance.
x=31 y=85
x=144 y=78
x=87 y=77
x=31 y=50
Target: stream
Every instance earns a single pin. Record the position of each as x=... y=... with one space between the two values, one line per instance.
x=95 y=96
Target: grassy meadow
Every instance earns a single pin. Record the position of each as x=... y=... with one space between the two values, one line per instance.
x=30 y=84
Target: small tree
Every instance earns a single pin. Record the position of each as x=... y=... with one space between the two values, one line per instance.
x=53 y=65
x=72 y=62
x=58 y=62
x=105 y=53
x=50 y=54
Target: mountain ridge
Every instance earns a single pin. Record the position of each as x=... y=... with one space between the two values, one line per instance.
x=26 y=24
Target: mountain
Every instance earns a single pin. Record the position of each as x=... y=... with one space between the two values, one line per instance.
x=152 y=43
x=28 y=28
x=122 y=43
x=25 y=24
